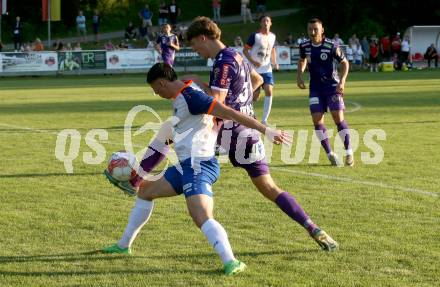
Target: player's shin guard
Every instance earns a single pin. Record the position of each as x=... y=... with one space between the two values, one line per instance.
x=218 y=238
x=321 y=133
x=138 y=217
x=287 y=203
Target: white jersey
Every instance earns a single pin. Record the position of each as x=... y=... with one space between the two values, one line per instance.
x=261 y=46
x=194 y=134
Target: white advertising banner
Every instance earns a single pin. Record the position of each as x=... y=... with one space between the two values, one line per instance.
x=130 y=59
x=29 y=62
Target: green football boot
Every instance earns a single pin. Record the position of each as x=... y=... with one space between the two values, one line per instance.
x=125 y=186
x=233 y=267
x=116 y=249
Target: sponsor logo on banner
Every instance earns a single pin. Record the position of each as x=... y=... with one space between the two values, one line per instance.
x=130 y=59
x=283 y=55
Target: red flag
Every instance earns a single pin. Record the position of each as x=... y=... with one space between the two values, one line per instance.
x=45 y=12
x=55 y=10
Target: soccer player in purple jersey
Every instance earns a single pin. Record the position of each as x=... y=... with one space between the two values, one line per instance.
x=232 y=81
x=167 y=44
x=321 y=55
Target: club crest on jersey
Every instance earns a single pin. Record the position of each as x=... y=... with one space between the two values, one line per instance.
x=323 y=56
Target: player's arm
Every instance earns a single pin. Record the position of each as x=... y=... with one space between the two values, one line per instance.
x=221 y=111
x=302 y=64
x=274 y=58
x=175 y=46
x=345 y=66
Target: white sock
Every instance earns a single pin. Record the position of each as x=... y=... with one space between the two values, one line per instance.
x=217 y=237
x=138 y=217
x=349 y=151
x=266 y=108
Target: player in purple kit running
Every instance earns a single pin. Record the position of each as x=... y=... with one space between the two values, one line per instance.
x=321 y=55
x=167 y=44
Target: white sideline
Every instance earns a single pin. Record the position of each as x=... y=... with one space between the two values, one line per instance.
x=292 y=171
x=357 y=181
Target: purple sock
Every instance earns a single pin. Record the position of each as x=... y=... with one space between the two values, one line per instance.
x=345 y=135
x=291 y=207
x=153 y=156
x=321 y=133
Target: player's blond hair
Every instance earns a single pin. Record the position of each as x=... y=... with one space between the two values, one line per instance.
x=203 y=26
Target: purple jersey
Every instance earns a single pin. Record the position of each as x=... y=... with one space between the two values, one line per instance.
x=167 y=51
x=322 y=62
x=232 y=75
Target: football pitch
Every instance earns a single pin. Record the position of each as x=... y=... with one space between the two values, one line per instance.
x=384 y=214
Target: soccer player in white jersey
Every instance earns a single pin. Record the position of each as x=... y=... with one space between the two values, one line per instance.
x=193 y=118
x=260 y=51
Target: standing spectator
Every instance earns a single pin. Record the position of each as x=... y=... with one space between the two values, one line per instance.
x=353 y=41
x=109 y=46
x=350 y=55
x=385 y=48
x=130 y=32
x=96 y=21
x=81 y=26
x=289 y=40
x=163 y=13
x=404 y=50
x=374 y=55
x=173 y=13
x=167 y=45
x=246 y=11
x=38 y=45
x=358 y=57
x=216 y=6
x=238 y=42
x=365 y=49
x=301 y=39
x=431 y=54
x=396 y=44
x=338 y=41
x=145 y=14
x=17 y=32
x=77 y=47
x=261 y=8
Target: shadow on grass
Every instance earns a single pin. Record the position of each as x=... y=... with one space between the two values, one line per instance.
x=27 y=175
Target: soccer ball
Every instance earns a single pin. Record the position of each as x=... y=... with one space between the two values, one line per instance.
x=121 y=166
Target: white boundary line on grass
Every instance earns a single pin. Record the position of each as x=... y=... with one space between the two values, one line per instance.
x=356 y=181
x=292 y=171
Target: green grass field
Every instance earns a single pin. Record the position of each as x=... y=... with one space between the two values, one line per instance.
x=385 y=216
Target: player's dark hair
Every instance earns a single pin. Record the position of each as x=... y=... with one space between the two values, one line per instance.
x=315 y=20
x=264 y=16
x=159 y=71
x=203 y=26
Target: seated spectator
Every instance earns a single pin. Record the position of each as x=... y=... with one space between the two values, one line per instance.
x=122 y=45
x=130 y=32
x=68 y=47
x=58 y=45
x=431 y=54
x=77 y=47
x=1 y=46
x=238 y=42
x=26 y=48
x=109 y=46
x=289 y=40
x=38 y=45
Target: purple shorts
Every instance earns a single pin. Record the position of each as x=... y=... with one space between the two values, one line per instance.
x=320 y=101
x=254 y=169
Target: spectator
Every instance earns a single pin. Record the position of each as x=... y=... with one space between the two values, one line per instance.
x=431 y=54
x=404 y=50
x=68 y=47
x=365 y=49
x=26 y=48
x=17 y=32
x=1 y=46
x=216 y=6
x=338 y=41
x=261 y=8
x=246 y=11
x=146 y=15
x=81 y=26
x=173 y=13
x=58 y=46
x=77 y=47
x=289 y=40
x=374 y=55
x=358 y=57
x=96 y=21
x=109 y=46
x=143 y=33
x=122 y=45
x=163 y=13
x=350 y=55
x=385 y=48
x=301 y=39
x=130 y=32
x=238 y=42
x=38 y=45
x=353 y=42
x=396 y=44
